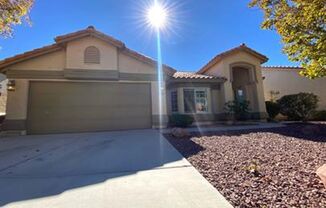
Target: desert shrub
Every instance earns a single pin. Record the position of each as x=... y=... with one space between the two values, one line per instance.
x=298 y=106
x=238 y=109
x=273 y=109
x=180 y=120
x=319 y=115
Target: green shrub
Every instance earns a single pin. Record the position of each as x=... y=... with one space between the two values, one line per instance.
x=298 y=106
x=319 y=115
x=180 y=120
x=273 y=109
x=238 y=109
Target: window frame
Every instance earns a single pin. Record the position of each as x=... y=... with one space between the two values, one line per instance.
x=174 y=99
x=195 y=90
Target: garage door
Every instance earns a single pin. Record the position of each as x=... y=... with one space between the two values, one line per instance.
x=62 y=107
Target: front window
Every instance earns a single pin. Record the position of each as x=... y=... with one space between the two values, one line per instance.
x=174 y=101
x=195 y=101
x=201 y=101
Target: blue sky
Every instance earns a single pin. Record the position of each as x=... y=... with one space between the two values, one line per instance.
x=199 y=32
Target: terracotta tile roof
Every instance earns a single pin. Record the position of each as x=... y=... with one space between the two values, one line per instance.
x=192 y=75
x=89 y=31
x=220 y=56
x=282 y=68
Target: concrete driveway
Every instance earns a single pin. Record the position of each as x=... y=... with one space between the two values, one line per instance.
x=108 y=169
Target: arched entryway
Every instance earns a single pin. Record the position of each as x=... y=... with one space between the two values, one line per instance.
x=244 y=84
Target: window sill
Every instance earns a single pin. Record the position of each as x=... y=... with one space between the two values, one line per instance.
x=200 y=113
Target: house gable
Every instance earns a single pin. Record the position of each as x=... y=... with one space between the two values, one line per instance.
x=68 y=54
x=239 y=58
x=75 y=51
x=217 y=66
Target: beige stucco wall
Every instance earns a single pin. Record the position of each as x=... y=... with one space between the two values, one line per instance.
x=155 y=99
x=75 y=54
x=73 y=58
x=128 y=64
x=51 y=61
x=223 y=67
x=288 y=81
x=17 y=101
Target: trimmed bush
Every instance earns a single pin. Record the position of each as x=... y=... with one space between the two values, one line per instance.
x=273 y=109
x=238 y=109
x=319 y=116
x=298 y=106
x=180 y=120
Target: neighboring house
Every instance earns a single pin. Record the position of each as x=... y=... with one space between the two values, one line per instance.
x=89 y=81
x=281 y=80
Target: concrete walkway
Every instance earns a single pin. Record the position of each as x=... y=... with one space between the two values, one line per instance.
x=109 y=169
x=219 y=128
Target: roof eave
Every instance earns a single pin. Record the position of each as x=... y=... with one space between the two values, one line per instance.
x=263 y=59
x=89 y=33
x=197 y=80
x=282 y=68
x=28 y=55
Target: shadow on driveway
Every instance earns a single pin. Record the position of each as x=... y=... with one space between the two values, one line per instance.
x=45 y=165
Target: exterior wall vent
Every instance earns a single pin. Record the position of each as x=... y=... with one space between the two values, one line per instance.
x=92 y=55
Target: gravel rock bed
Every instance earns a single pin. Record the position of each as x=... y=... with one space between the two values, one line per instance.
x=262 y=168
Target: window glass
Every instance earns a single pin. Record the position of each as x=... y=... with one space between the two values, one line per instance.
x=201 y=101
x=195 y=101
x=174 y=101
x=189 y=100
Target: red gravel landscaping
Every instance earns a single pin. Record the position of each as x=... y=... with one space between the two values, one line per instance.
x=262 y=168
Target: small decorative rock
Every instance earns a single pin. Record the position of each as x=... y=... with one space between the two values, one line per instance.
x=321 y=172
x=180 y=133
x=287 y=176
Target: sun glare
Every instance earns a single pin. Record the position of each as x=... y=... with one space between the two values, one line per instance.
x=157 y=16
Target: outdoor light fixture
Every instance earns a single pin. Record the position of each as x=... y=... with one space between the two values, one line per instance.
x=11 y=86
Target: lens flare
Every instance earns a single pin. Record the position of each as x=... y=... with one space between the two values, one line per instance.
x=157 y=15
x=157 y=19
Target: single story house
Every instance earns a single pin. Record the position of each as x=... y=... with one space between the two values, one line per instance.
x=89 y=81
